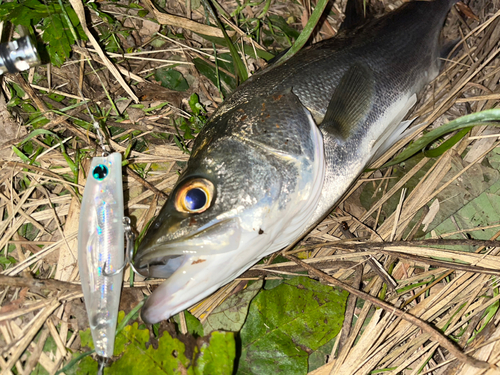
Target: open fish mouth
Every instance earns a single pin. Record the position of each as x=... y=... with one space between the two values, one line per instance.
x=162 y=259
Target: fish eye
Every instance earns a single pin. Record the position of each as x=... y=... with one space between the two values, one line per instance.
x=194 y=196
x=195 y=199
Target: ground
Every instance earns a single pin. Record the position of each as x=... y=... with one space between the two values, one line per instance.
x=173 y=79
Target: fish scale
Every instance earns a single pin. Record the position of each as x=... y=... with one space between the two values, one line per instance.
x=392 y=47
x=275 y=173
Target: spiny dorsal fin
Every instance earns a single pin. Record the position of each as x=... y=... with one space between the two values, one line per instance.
x=351 y=101
x=355 y=14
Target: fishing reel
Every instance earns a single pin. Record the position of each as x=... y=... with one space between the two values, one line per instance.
x=18 y=55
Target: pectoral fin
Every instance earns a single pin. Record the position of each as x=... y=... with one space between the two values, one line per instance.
x=351 y=102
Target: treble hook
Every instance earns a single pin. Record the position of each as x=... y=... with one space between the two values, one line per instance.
x=129 y=252
x=112 y=273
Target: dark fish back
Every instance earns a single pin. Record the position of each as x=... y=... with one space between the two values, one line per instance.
x=400 y=46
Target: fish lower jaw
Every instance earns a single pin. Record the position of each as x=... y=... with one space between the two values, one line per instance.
x=197 y=278
x=200 y=276
x=152 y=314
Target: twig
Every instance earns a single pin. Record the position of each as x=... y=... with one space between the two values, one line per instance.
x=437 y=242
x=373 y=262
x=42 y=107
x=350 y=307
x=67 y=185
x=80 y=12
x=185 y=23
x=44 y=285
x=144 y=183
x=445 y=264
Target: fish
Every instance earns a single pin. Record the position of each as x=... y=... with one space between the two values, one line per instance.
x=283 y=148
x=101 y=252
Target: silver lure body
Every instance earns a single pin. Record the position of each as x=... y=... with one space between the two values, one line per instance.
x=100 y=249
x=274 y=174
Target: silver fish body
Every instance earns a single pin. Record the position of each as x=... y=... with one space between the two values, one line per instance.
x=100 y=249
x=261 y=173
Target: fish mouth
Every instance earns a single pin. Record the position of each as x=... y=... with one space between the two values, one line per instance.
x=197 y=278
x=162 y=259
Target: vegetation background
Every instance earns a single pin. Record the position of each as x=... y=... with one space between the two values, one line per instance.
x=150 y=75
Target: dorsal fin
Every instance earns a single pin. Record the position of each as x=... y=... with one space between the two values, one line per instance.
x=356 y=14
x=350 y=103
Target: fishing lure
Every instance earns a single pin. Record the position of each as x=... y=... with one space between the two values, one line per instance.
x=101 y=249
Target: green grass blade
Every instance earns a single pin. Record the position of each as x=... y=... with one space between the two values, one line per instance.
x=246 y=48
x=74 y=361
x=37 y=132
x=70 y=162
x=129 y=316
x=475 y=119
x=238 y=63
x=19 y=153
x=306 y=33
x=446 y=145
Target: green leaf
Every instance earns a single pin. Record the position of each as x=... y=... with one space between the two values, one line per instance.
x=446 y=145
x=212 y=354
x=58 y=33
x=481 y=118
x=194 y=104
x=171 y=79
x=25 y=13
x=123 y=320
x=127 y=152
x=228 y=83
x=23 y=157
x=319 y=357
x=5 y=261
x=249 y=50
x=280 y=22
x=231 y=314
x=194 y=326
x=306 y=32
x=104 y=16
x=474 y=202
x=86 y=339
x=287 y=323
x=240 y=67
x=217 y=355
x=131 y=342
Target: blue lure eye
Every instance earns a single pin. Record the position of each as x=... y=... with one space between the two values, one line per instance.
x=195 y=199
x=100 y=172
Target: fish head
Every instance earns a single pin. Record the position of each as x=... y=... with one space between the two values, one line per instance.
x=237 y=201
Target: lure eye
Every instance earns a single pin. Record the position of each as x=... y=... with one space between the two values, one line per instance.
x=195 y=196
x=100 y=172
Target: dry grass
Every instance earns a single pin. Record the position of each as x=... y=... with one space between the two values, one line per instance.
x=46 y=247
